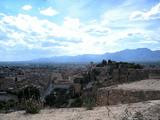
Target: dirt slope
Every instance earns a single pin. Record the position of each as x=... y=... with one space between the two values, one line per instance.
x=150 y=109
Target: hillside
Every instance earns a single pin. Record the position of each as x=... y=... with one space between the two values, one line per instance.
x=149 y=110
x=128 y=55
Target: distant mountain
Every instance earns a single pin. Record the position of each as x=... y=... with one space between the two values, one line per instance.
x=128 y=55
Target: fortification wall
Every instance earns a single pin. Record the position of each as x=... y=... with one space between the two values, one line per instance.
x=118 y=96
x=127 y=75
x=154 y=74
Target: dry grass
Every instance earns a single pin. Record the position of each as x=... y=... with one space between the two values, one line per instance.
x=98 y=113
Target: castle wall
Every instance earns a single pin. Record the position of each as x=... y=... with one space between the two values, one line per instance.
x=127 y=75
x=118 y=96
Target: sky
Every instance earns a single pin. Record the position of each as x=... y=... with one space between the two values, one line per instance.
x=31 y=29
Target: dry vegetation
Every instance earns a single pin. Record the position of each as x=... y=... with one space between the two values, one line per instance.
x=137 y=111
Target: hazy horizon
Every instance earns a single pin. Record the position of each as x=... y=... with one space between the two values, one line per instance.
x=151 y=55
x=45 y=28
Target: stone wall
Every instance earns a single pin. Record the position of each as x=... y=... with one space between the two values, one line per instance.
x=113 y=96
x=154 y=74
x=127 y=75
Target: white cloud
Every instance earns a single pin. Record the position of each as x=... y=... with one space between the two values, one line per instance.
x=153 y=13
x=31 y=31
x=136 y=15
x=27 y=7
x=96 y=29
x=72 y=37
x=49 y=11
x=71 y=23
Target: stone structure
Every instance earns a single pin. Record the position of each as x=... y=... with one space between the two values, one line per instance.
x=154 y=74
x=120 y=96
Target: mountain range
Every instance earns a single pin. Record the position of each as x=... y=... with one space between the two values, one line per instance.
x=127 y=55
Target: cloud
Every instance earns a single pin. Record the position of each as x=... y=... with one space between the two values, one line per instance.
x=71 y=23
x=153 y=13
x=32 y=33
x=73 y=36
x=97 y=29
x=49 y=11
x=27 y=7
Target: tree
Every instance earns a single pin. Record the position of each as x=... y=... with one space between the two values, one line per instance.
x=29 y=92
x=104 y=62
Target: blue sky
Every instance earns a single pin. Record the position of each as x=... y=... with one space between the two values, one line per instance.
x=31 y=29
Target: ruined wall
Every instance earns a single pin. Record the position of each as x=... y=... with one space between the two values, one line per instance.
x=112 y=95
x=117 y=96
x=154 y=74
x=127 y=75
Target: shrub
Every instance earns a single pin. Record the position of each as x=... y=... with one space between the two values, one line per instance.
x=95 y=72
x=61 y=101
x=29 y=92
x=77 y=102
x=50 y=100
x=8 y=105
x=89 y=103
x=2 y=105
x=32 y=106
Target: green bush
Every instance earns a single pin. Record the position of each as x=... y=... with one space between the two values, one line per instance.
x=29 y=92
x=8 y=105
x=89 y=103
x=61 y=101
x=33 y=106
x=77 y=102
x=50 y=100
x=2 y=105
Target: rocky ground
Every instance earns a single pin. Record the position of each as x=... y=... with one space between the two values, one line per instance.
x=148 y=84
x=150 y=111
